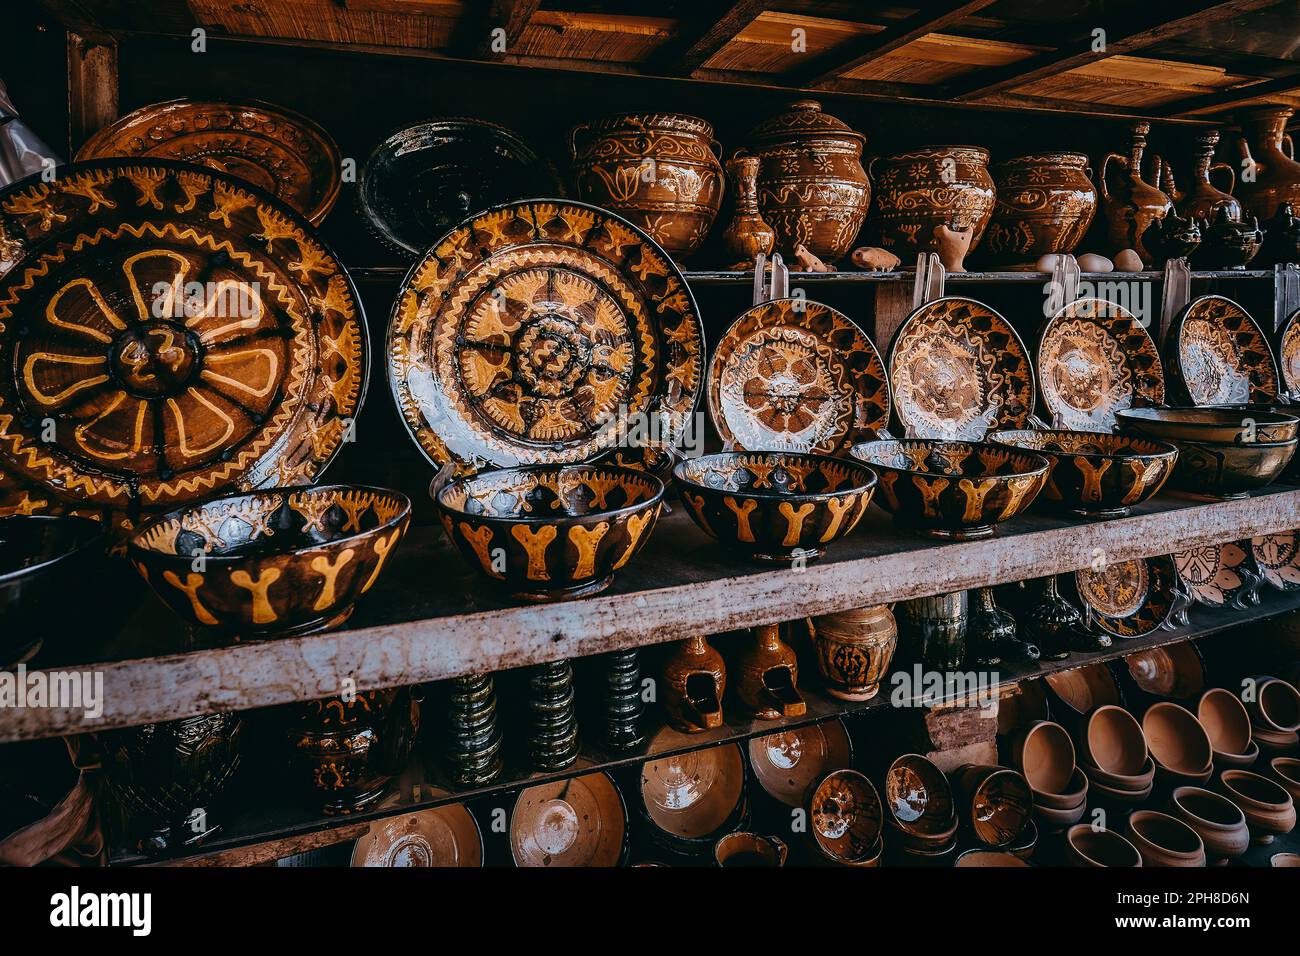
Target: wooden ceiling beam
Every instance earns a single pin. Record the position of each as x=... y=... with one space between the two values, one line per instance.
x=1238 y=94
x=1137 y=33
x=701 y=38
x=509 y=16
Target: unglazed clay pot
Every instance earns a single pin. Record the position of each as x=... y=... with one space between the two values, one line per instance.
x=1217 y=820
x=1087 y=847
x=1045 y=203
x=1277 y=174
x=747 y=235
x=1179 y=744
x=922 y=190
x=854 y=649
x=1045 y=755
x=1224 y=718
x=812 y=189
x=1276 y=705
x=695 y=678
x=660 y=170
x=1131 y=204
x=1203 y=199
x=1113 y=741
x=1269 y=809
x=1286 y=771
x=1162 y=840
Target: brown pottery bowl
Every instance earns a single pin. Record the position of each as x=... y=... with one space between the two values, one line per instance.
x=1217 y=820
x=437 y=837
x=958 y=490
x=550 y=532
x=1088 y=847
x=1286 y=771
x=691 y=799
x=1269 y=809
x=1113 y=741
x=847 y=819
x=1175 y=671
x=744 y=849
x=994 y=802
x=988 y=858
x=1276 y=706
x=919 y=801
x=1179 y=744
x=1080 y=690
x=1044 y=753
x=563 y=823
x=1071 y=795
x=1163 y=840
x=1094 y=474
x=1226 y=721
x=789 y=762
x=1275 y=743
x=775 y=507
x=272 y=563
x=1215 y=425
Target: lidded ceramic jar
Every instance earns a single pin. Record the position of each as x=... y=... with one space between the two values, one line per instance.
x=854 y=649
x=919 y=191
x=660 y=170
x=1277 y=174
x=1045 y=204
x=812 y=188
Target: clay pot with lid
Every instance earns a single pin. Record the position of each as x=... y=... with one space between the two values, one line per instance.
x=1217 y=820
x=923 y=192
x=1163 y=840
x=1130 y=203
x=1277 y=174
x=854 y=650
x=1045 y=204
x=660 y=170
x=1269 y=809
x=812 y=189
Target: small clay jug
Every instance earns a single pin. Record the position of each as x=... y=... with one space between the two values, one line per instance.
x=695 y=679
x=1276 y=177
x=747 y=235
x=768 y=676
x=1226 y=243
x=1132 y=204
x=854 y=649
x=1203 y=199
x=1281 y=238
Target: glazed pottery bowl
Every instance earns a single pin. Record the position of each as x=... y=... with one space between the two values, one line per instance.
x=1229 y=471
x=41 y=557
x=958 y=490
x=1217 y=820
x=1276 y=706
x=437 y=837
x=1113 y=741
x=691 y=799
x=788 y=763
x=1215 y=425
x=1286 y=771
x=1178 y=742
x=847 y=817
x=550 y=532
x=1164 y=840
x=1094 y=474
x=1070 y=796
x=1024 y=843
x=776 y=507
x=743 y=849
x=1226 y=721
x=995 y=803
x=1044 y=753
x=272 y=563
x=919 y=801
x=563 y=823
x=1269 y=809
x=1077 y=692
x=1088 y=847
x=1174 y=671
x=988 y=858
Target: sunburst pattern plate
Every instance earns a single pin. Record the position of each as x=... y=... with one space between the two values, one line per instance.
x=1220 y=354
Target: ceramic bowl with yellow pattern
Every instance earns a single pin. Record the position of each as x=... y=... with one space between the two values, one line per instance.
x=1093 y=474
x=551 y=531
x=272 y=563
x=953 y=489
x=777 y=507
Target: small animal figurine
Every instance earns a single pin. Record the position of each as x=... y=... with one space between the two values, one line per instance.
x=874 y=259
x=953 y=244
x=1172 y=237
x=809 y=262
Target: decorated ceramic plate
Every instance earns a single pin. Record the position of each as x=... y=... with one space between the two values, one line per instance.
x=1129 y=598
x=1219 y=575
x=1289 y=350
x=279 y=151
x=957 y=371
x=424 y=180
x=169 y=334
x=794 y=375
x=1278 y=558
x=1095 y=358
x=545 y=332
x=1220 y=354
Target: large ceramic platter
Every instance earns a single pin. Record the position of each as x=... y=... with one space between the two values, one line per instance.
x=277 y=150
x=1129 y=598
x=1221 y=356
x=424 y=180
x=794 y=375
x=1289 y=352
x=169 y=333
x=1219 y=575
x=545 y=332
x=958 y=370
x=1095 y=358
x=1278 y=558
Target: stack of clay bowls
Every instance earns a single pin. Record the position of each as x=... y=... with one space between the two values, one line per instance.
x=1114 y=757
x=1044 y=754
x=1227 y=723
x=1286 y=771
x=1269 y=809
x=1179 y=745
x=1089 y=847
x=1275 y=716
x=920 y=813
x=1217 y=821
x=846 y=820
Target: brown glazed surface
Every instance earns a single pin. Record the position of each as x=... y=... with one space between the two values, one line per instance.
x=1227 y=425
x=994 y=802
x=1045 y=203
x=953 y=489
x=527 y=334
x=275 y=562
x=766 y=676
x=550 y=532
x=198 y=339
x=854 y=650
x=1175 y=671
x=659 y=170
x=577 y=822
x=692 y=795
x=280 y=152
x=1129 y=598
x=1204 y=199
x=919 y=799
x=1220 y=354
x=1277 y=174
x=812 y=189
x=1217 y=574
x=748 y=234
x=775 y=506
x=919 y=191
x=789 y=762
x=437 y=837
x=695 y=681
x=795 y=375
x=847 y=818
x=1289 y=352
x=1131 y=205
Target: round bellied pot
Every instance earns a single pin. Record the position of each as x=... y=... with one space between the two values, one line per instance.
x=1276 y=177
x=1269 y=809
x=1085 y=846
x=1045 y=203
x=812 y=189
x=854 y=649
x=1204 y=199
x=846 y=819
x=923 y=194
x=564 y=823
x=659 y=170
x=436 y=837
x=1286 y=771
x=743 y=849
x=1163 y=840
x=1217 y=820
x=1131 y=204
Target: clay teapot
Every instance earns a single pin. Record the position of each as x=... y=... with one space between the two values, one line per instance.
x=1172 y=237
x=695 y=679
x=1281 y=238
x=1203 y=199
x=1227 y=244
x=1275 y=175
x=1133 y=204
x=768 y=677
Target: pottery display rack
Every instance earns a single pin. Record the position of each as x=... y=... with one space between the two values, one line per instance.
x=1009 y=76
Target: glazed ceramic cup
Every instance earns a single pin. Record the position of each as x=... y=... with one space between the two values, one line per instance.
x=919 y=801
x=1269 y=809
x=1163 y=840
x=995 y=803
x=1103 y=848
x=1113 y=741
x=743 y=849
x=1219 y=822
x=437 y=837
x=846 y=819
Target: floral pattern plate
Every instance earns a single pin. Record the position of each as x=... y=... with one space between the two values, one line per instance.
x=1219 y=575
x=1130 y=598
x=1220 y=355
x=1278 y=558
x=1095 y=358
x=1289 y=350
x=957 y=371
x=170 y=333
x=545 y=332
x=794 y=375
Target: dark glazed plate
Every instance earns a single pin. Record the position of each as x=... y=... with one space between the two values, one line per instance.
x=1130 y=598
x=422 y=181
x=1288 y=351
x=1220 y=355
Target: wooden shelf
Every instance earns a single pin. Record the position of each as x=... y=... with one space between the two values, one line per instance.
x=272 y=824
x=429 y=617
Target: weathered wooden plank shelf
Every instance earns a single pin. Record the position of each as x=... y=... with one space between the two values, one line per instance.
x=430 y=619
x=273 y=824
